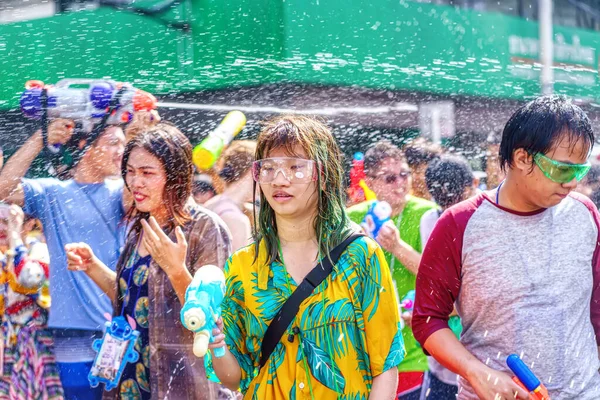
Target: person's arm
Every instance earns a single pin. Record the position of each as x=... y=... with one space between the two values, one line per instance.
x=236 y=369
x=385 y=385
x=59 y=131
x=437 y=287
x=80 y=257
x=227 y=367
x=486 y=382
x=389 y=238
x=595 y=301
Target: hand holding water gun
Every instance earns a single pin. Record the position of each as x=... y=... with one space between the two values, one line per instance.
x=525 y=378
x=206 y=154
x=406 y=308
x=202 y=307
x=379 y=212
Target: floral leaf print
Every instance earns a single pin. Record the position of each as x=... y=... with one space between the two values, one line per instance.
x=237 y=288
x=269 y=300
x=364 y=367
x=372 y=287
x=334 y=327
x=397 y=351
x=275 y=361
x=322 y=366
x=255 y=327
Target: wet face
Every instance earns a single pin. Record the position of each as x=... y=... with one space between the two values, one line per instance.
x=391 y=182
x=541 y=191
x=107 y=151
x=146 y=178
x=291 y=200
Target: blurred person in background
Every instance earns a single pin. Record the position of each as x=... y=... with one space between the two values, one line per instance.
x=170 y=239
x=236 y=173
x=27 y=357
x=89 y=208
x=493 y=171
x=202 y=189
x=450 y=180
x=389 y=176
x=419 y=153
x=591 y=183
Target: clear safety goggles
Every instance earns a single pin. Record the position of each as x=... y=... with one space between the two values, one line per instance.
x=560 y=172
x=294 y=170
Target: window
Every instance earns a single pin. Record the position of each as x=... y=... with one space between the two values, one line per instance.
x=23 y=10
x=574 y=13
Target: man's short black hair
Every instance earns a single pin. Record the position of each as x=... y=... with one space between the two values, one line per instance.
x=539 y=125
x=421 y=151
x=447 y=178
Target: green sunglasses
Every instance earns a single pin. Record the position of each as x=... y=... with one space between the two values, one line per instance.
x=560 y=172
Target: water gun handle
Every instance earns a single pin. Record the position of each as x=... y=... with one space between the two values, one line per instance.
x=541 y=393
x=526 y=379
x=219 y=352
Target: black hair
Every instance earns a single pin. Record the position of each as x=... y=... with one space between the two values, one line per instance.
x=595 y=197
x=200 y=186
x=447 y=178
x=594 y=175
x=421 y=151
x=540 y=124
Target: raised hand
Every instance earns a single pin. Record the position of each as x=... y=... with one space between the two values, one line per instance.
x=60 y=131
x=80 y=257
x=141 y=121
x=169 y=255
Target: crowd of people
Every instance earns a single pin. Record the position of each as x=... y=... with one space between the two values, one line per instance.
x=314 y=307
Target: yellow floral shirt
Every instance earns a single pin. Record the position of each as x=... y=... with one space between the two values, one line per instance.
x=348 y=328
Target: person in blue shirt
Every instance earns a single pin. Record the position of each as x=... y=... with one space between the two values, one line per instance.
x=88 y=208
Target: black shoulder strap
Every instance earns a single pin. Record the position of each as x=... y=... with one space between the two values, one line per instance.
x=288 y=311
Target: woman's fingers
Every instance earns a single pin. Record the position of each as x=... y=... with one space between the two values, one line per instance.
x=149 y=232
x=180 y=236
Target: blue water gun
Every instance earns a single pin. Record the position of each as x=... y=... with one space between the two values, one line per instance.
x=202 y=307
x=527 y=379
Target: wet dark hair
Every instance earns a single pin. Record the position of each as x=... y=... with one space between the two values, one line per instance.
x=421 y=151
x=237 y=160
x=202 y=186
x=376 y=154
x=540 y=124
x=174 y=151
x=447 y=178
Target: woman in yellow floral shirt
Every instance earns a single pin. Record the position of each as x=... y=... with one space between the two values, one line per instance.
x=344 y=342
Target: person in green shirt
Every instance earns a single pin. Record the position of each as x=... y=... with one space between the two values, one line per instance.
x=389 y=176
